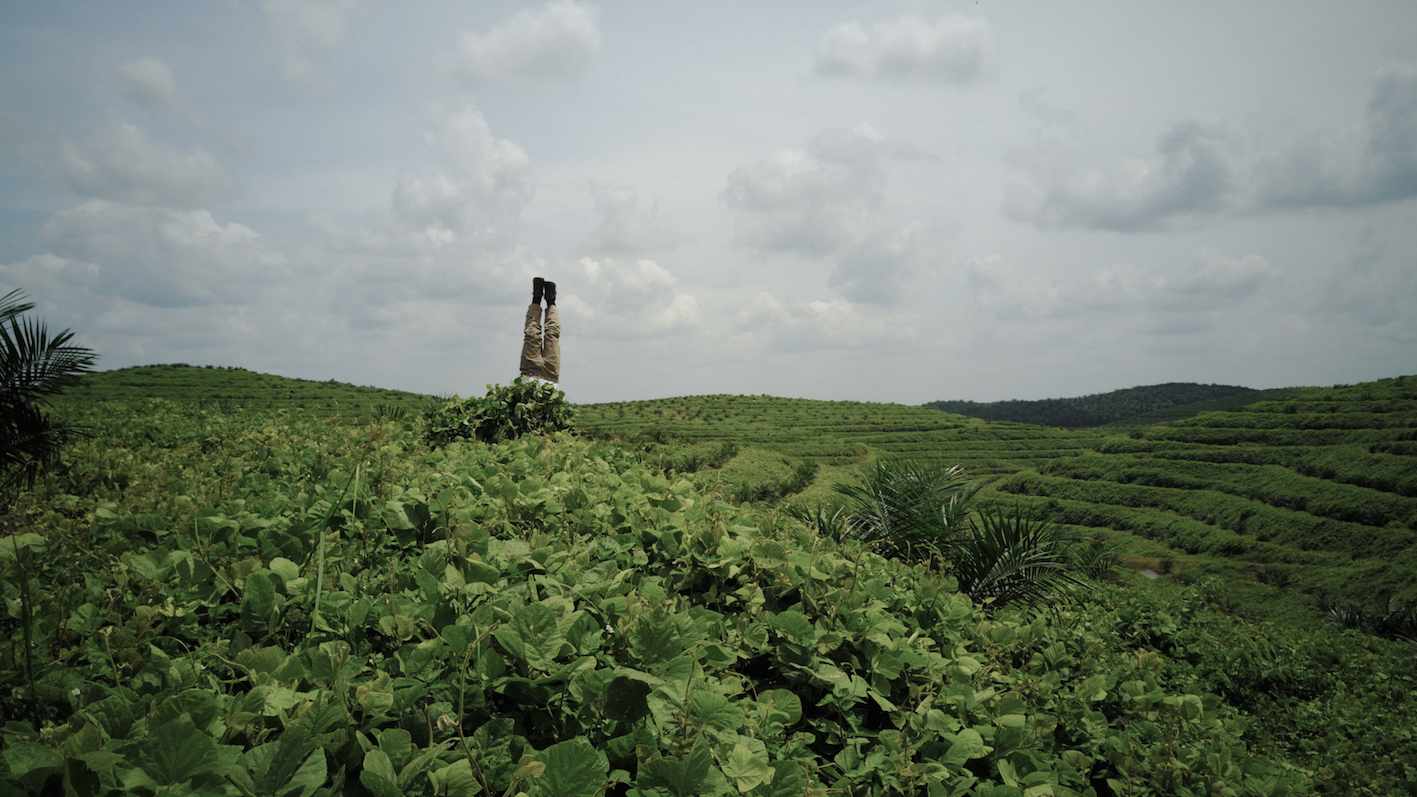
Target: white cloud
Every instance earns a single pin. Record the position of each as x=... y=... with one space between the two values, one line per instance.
x=768 y=326
x=1210 y=282
x=624 y=226
x=160 y=257
x=148 y=82
x=481 y=188
x=1217 y=277
x=1391 y=156
x=952 y=50
x=1374 y=288
x=1203 y=169
x=557 y=41
x=627 y=299
x=118 y=162
x=827 y=202
x=302 y=35
x=447 y=239
x=1008 y=291
x=1191 y=175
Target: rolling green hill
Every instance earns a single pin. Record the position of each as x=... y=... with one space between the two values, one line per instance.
x=1317 y=493
x=237 y=388
x=1301 y=504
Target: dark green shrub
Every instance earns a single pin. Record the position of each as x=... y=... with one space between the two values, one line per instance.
x=525 y=406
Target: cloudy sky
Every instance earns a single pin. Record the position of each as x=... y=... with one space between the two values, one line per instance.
x=884 y=201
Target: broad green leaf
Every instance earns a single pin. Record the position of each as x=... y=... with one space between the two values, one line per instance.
x=654 y=637
x=455 y=780
x=625 y=699
x=539 y=630
x=479 y=572
x=178 y=752
x=573 y=769
x=378 y=775
x=968 y=745
x=692 y=776
x=788 y=780
x=397 y=744
x=274 y=765
x=286 y=569
x=745 y=770
x=715 y=711
x=258 y=604
x=780 y=706
x=32 y=762
x=795 y=627
x=309 y=778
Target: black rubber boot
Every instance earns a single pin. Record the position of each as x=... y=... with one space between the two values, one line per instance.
x=537 y=286
x=550 y=294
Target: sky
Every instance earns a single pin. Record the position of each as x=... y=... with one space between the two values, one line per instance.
x=898 y=201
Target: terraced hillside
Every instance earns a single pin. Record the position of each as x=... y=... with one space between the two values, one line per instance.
x=834 y=433
x=237 y=388
x=1318 y=492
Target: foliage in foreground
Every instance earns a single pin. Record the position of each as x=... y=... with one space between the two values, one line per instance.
x=526 y=406
x=315 y=612
x=34 y=368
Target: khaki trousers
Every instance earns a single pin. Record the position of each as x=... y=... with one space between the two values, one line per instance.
x=541 y=355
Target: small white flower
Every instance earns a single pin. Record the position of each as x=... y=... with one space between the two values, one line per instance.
x=74 y=692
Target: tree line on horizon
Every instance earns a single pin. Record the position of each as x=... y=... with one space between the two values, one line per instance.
x=1097 y=409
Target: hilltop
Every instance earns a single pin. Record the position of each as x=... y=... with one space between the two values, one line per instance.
x=1131 y=406
x=234 y=388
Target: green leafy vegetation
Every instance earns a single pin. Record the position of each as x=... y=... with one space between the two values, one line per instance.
x=286 y=601
x=526 y=406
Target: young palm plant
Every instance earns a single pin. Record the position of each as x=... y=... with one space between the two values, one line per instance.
x=913 y=509
x=34 y=368
x=923 y=511
x=1011 y=558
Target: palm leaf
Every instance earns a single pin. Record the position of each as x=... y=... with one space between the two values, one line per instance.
x=33 y=368
x=915 y=508
x=1014 y=559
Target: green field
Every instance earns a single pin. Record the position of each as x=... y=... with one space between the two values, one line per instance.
x=233 y=389
x=1300 y=504
x=224 y=592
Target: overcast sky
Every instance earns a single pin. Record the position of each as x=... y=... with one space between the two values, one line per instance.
x=881 y=201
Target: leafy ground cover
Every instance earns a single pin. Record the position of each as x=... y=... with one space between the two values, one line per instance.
x=208 y=602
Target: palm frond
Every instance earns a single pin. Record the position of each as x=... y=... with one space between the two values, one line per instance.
x=34 y=367
x=1012 y=558
x=915 y=507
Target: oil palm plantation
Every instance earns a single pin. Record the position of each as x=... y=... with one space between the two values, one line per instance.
x=34 y=368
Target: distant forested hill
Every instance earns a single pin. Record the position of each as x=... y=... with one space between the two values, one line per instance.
x=1098 y=409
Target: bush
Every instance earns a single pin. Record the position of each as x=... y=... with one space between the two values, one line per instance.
x=526 y=406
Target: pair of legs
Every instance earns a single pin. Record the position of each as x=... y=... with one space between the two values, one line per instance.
x=541 y=344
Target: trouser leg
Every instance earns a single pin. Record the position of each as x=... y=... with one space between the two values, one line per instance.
x=551 y=345
x=531 y=342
